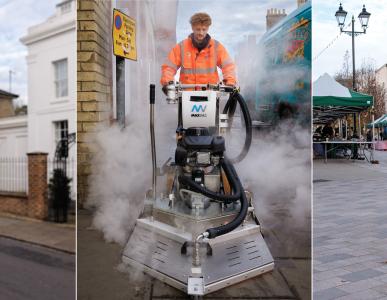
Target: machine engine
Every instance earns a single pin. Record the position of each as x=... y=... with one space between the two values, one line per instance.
x=197 y=156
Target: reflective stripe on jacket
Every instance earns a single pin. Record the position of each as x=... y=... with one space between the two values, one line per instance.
x=198 y=67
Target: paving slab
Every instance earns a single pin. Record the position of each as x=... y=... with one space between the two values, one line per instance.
x=366 y=295
x=360 y=275
x=328 y=294
x=350 y=225
x=102 y=276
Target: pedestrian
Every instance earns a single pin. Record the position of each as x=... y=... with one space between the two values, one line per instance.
x=327 y=131
x=369 y=137
x=198 y=57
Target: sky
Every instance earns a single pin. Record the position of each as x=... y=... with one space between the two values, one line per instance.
x=232 y=20
x=16 y=16
x=369 y=47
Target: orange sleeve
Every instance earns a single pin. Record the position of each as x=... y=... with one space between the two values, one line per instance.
x=170 y=65
x=227 y=65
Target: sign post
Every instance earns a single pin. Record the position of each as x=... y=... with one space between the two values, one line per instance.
x=124 y=47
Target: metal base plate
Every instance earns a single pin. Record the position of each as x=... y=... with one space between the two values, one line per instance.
x=155 y=247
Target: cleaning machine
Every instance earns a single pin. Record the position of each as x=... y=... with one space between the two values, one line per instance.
x=201 y=234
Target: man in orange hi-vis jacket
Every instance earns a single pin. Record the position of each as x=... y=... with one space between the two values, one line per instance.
x=198 y=57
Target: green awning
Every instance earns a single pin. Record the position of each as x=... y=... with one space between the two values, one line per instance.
x=331 y=100
x=356 y=100
x=380 y=122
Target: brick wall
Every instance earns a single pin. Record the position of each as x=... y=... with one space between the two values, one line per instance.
x=37 y=186
x=94 y=66
x=35 y=205
x=14 y=203
x=6 y=107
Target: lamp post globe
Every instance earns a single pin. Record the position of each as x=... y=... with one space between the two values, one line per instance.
x=340 y=16
x=364 y=17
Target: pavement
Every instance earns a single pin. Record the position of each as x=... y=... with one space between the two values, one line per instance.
x=31 y=272
x=350 y=229
x=56 y=236
x=101 y=276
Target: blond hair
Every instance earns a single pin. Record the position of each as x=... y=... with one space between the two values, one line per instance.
x=200 y=18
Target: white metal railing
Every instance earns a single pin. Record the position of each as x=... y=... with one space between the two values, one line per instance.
x=14 y=174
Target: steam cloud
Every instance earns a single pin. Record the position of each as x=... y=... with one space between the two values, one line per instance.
x=122 y=168
x=278 y=170
x=119 y=180
x=277 y=167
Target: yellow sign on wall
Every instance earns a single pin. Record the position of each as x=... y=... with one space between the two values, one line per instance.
x=124 y=35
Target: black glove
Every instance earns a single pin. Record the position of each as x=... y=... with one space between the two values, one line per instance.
x=165 y=90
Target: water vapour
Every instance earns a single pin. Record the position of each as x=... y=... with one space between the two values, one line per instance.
x=277 y=170
x=119 y=179
x=278 y=167
x=122 y=167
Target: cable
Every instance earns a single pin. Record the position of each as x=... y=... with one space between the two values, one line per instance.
x=329 y=44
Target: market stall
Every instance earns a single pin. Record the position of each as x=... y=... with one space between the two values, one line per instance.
x=381 y=137
x=332 y=103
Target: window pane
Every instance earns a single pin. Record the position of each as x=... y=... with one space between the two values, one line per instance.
x=61 y=80
x=61 y=130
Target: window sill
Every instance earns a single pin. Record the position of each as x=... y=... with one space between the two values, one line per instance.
x=59 y=100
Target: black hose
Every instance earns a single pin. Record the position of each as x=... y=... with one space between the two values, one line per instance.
x=228 y=169
x=230 y=106
x=238 y=194
x=229 y=109
x=223 y=229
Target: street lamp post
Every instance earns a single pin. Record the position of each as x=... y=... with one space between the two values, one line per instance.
x=10 y=80
x=364 y=18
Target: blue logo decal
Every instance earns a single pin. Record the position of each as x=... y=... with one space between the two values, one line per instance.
x=198 y=108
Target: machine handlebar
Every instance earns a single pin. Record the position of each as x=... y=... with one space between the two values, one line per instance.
x=213 y=87
x=174 y=90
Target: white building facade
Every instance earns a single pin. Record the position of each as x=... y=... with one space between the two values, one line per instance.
x=381 y=77
x=51 y=63
x=13 y=136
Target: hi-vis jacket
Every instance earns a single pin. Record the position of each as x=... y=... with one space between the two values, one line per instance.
x=198 y=67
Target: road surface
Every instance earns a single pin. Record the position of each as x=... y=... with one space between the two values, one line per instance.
x=32 y=272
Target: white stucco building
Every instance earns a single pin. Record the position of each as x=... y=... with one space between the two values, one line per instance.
x=381 y=77
x=13 y=128
x=51 y=63
x=13 y=136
